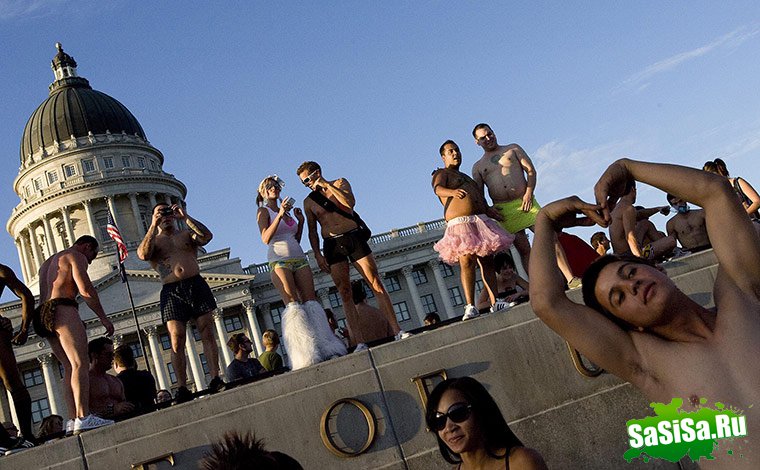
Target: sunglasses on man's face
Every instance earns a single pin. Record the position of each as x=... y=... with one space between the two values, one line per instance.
x=457 y=413
x=309 y=178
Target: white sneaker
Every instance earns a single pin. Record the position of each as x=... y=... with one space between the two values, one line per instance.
x=401 y=335
x=89 y=422
x=361 y=347
x=69 y=427
x=470 y=312
x=499 y=305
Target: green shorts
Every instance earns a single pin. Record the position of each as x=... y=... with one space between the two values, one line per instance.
x=291 y=264
x=514 y=217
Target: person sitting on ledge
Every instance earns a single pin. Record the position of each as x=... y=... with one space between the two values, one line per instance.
x=639 y=326
x=139 y=385
x=107 y=398
x=626 y=235
x=270 y=358
x=687 y=226
x=243 y=366
x=510 y=286
x=372 y=323
x=600 y=243
x=432 y=319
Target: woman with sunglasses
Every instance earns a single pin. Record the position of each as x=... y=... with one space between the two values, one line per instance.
x=471 y=431
x=308 y=338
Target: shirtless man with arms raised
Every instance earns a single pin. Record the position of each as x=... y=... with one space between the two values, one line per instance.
x=639 y=326
x=62 y=277
x=509 y=175
x=625 y=238
x=185 y=295
x=107 y=398
x=687 y=226
x=8 y=368
x=342 y=243
x=471 y=237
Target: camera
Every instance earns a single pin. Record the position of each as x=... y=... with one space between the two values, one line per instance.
x=165 y=212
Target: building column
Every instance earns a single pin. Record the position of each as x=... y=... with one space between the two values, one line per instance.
x=265 y=310
x=49 y=241
x=94 y=231
x=195 y=363
x=219 y=323
x=26 y=257
x=152 y=199
x=35 y=248
x=324 y=296
x=168 y=199
x=136 y=214
x=67 y=224
x=22 y=260
x=435 y=266
x=415 y=293
x=47 y=362
x=253 y=326
x=158 y=361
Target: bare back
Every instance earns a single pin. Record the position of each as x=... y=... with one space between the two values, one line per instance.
x=175 y=256
x=472 y=204
x=57 y=276
x=623 y=219
x=502 y=171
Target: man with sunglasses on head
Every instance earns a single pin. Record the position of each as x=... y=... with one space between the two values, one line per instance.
x=343 y=242
x=185 y=295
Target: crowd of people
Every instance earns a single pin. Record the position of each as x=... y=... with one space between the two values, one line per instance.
x=635 y=323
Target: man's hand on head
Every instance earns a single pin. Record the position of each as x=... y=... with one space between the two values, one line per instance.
x=611 y=186
x=179 y=212
x=565 y=213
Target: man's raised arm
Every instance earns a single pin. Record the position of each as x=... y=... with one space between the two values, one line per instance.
x=27 y=301
x=731 y=233
x=587 y=330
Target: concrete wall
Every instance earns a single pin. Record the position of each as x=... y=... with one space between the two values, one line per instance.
x=574 y=421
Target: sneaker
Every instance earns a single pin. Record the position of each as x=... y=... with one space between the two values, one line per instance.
x=470 y=312
x=574 y=283
x=217 y=385
x=499 y=305
x=15 y=444
x=401 y=335
x=182 y=395
x=70 y=427
x=361 y=347
x=89 y=422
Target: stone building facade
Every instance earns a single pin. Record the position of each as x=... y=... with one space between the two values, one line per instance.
x=83 y=154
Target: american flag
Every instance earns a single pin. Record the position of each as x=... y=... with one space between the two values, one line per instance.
x=113 y=232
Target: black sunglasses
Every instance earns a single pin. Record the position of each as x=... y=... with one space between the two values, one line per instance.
x=457 y=413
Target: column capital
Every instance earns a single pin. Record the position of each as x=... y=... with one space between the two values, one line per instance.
x=217 y=314
x=248 y=304
x=46 y=359
x=434 y=263
x=151 y=331
x=407 y=270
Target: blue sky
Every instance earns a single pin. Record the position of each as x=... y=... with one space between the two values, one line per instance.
x=233 y=91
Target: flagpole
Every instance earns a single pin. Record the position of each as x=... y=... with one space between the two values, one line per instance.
x=134 y=315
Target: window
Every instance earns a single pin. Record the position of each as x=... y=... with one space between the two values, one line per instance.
x=136 y=349
x=107 y=163
x=335 y=300
x=172 y=374
x=125 y=161
x=33 y=377
x=419 y=276
x=204 y=363
x=144 y=218
x=478 y=285
x=38 y=184
x=52 y=176
x=88 y=165
x=276 y=314
x=428 y=303
x=342 y=323
x=166 y=343
x=102 y=220
x=446 y=270
x=402 y=311
x=61 y=231
x=40 y=410
x=153 y=165
x=141 y=162
x=27 y=191
x=392 y=284
x=456 y=296
x=69 y=171
x=233 y=323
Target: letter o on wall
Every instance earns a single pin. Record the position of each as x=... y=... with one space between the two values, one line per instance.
x=327 y=435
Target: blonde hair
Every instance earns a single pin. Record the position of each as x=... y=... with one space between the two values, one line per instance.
x=271 y=338
x=260 y=199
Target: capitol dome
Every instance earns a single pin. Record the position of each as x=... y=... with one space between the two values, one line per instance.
x=74 y=109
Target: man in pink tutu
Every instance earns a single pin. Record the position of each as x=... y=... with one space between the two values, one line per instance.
x=471 y=236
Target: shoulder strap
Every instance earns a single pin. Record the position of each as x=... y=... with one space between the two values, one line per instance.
x=328 y=205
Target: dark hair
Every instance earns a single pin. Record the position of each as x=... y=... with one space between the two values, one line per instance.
x=309 y=166
x=235 y=452
x=432 y=318
x=494 y=428
x=357 y=291
x=124 y=357
x=87 y=240
x=46 y=426
x=440 y=150
x=235 y=341
x=716 y=166
x=591 y=276
x=97 y=345
x=597 y=238
x=482 y=125
x=501 y=259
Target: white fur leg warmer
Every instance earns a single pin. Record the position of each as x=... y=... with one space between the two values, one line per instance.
x=328 y=344
x=299 y=338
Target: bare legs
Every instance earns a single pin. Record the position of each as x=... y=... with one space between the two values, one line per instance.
x=12 y=380
x=210 y=348
x=368 y=269
x=340 y=276
x=179 y=360
x=70 y=347
x=467 y=265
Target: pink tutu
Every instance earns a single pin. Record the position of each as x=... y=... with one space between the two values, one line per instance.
x=472 y=235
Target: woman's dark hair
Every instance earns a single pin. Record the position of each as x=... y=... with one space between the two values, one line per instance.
x=494 y=428
x=716 y=166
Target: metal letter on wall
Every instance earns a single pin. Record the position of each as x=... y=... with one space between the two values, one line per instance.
x=327 y=435
x=423 y=381
x=161 y=458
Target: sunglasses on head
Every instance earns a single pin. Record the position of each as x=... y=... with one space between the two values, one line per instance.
x=457 y=413
x=308 y=178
